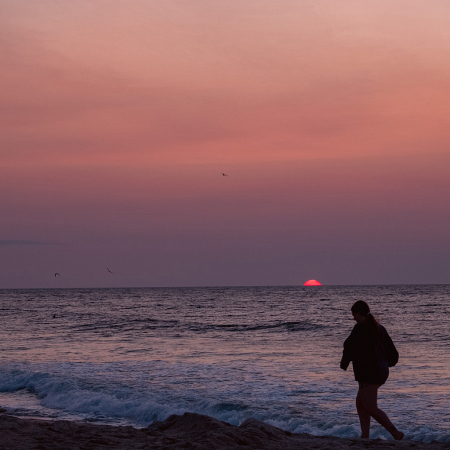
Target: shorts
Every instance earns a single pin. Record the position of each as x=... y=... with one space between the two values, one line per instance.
x=363 y=385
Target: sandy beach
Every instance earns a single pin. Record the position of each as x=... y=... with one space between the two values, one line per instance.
x=189 y=431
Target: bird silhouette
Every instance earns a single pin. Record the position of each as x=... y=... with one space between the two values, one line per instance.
x=224 y=174
x=109 y=270
x=57 y=274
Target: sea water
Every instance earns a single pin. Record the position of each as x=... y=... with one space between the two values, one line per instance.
x=135 y=356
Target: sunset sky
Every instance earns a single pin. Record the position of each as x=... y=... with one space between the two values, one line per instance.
x=330 y=118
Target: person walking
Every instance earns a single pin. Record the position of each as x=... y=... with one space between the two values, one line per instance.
x=371 y=350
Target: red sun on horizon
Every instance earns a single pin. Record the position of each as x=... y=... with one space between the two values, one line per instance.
x=312 y=283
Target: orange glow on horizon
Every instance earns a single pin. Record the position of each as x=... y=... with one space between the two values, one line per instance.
x=312 y=283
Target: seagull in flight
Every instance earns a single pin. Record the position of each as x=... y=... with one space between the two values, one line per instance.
x=224 y=174
x=109 y=270
x=57 y=274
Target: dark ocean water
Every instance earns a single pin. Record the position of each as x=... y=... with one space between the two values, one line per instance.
x=138 y=355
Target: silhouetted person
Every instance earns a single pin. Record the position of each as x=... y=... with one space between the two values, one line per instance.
x=372 y=352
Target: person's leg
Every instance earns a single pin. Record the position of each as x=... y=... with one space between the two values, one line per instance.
x=364 y=417
x=368 y=398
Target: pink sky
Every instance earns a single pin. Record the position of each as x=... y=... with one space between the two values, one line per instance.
x=117 y=120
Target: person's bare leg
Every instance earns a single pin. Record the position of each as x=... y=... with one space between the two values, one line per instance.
x=368 y=398
x=364 y=417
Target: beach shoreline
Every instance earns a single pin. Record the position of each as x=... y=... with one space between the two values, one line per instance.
x=189 y=431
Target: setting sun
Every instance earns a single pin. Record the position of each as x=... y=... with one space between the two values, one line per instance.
x=312 y=283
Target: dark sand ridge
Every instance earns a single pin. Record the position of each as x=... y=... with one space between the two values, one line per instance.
x=189 y=431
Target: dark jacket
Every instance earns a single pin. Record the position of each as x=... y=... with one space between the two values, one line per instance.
x=371 y=356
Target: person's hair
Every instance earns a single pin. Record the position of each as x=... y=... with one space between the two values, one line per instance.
x=362 y=308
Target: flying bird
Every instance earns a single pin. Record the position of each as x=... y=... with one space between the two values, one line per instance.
x=224 y=174
x=109 y=270
x=57 y=274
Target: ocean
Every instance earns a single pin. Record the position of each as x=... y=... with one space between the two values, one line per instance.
x=135 y=356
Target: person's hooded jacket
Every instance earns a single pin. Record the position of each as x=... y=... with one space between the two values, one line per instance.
x=371 y=355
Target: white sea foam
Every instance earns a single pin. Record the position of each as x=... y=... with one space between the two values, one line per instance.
x=44 y=395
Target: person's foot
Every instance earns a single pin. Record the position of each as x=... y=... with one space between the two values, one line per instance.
x=399 y=436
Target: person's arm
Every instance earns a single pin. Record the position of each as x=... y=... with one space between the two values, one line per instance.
x=349 y=349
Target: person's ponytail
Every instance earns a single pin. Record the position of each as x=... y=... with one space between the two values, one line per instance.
x=373 y=324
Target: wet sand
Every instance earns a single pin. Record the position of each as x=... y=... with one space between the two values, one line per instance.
x=189 y=431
